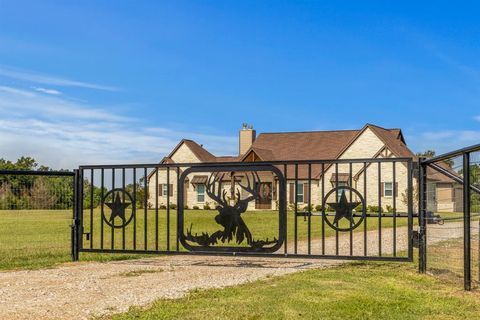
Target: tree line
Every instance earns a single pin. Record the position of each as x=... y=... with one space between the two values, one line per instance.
x=49 y=192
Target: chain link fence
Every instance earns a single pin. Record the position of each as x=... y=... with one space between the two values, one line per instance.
x=445 y=225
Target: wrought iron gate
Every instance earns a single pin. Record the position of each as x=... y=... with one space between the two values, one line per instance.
x=342 y=209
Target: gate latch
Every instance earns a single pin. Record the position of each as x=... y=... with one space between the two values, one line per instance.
x=416 y=239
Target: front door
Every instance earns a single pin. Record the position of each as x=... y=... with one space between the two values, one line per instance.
x=264 y=200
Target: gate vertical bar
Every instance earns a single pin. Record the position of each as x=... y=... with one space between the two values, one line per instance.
x=380 y=192
x=286 y=218
x=102 y=195
x=134 y=208
x=394 y=203
x=365 y=222
x=80 y=216
x=410 y=209
x=177 y=237
x=467 y=262
x=350 y=170
x=323 y=208
x=422 y=208
x=145 y=210
x=91 y=207
x=112 y=228
x=336 y=199
x=76 y=218
x=309 y=208
x=296 y=207
x=168 y=208
x=156 y=209
x=123 y=201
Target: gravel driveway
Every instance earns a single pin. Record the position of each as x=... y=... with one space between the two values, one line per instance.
x=86 y=289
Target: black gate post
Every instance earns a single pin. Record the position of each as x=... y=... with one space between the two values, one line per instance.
x=76 y=234
x=467 y=262
x=422 y=210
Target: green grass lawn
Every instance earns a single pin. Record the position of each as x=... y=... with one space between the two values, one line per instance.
x=262 y=224
x=445 y=260
x=36 y=238
x=350 y=291
x=41 y=238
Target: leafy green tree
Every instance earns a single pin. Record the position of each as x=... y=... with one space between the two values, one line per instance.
x=426 y=154
x=139 y=195
x=87 y=195
x=430 y=154
x=33 y=192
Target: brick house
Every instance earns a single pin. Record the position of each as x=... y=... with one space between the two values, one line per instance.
x=369 y=142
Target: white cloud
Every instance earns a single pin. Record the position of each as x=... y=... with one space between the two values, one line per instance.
x=477 y=118
x=48 y=91
x=443 y=140
x=62 y=133
x=29 y=76
x=24 y=102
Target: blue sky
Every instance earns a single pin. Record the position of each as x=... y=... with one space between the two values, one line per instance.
x=99 y=81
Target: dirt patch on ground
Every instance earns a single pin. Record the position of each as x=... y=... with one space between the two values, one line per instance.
x=84 y=290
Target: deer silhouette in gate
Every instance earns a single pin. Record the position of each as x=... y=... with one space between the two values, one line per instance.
x=229 y=216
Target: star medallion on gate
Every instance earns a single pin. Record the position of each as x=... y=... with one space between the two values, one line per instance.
x=344 y=209
x=118 y=208
x=121 y=206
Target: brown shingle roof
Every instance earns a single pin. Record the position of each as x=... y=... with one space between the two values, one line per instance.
x=202 y=179
x=302 y=145
x=313 y=145
x=322 y=144
x=202 y=154
x=393 y=140
x=227 y=159
x=325 y=145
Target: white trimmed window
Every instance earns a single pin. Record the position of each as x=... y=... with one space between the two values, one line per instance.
x=200 y=193
x=388 y=189
x=300 y=195
x=164 y=190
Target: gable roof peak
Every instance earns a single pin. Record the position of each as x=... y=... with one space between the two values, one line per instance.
x=200 y=152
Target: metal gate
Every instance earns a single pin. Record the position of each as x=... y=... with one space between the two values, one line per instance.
x=338 y=209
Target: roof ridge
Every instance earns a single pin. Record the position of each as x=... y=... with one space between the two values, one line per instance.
x=197 y=149
x=383 y=128
x=315 y=131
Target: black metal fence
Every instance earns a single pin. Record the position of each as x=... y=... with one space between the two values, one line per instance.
x=359 y=209
x=36 y=210
x=341 y=209
x=449 y=220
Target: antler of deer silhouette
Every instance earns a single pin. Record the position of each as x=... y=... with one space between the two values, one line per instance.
x=229 y=216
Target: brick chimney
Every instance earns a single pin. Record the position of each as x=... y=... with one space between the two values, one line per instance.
x=246 y=138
